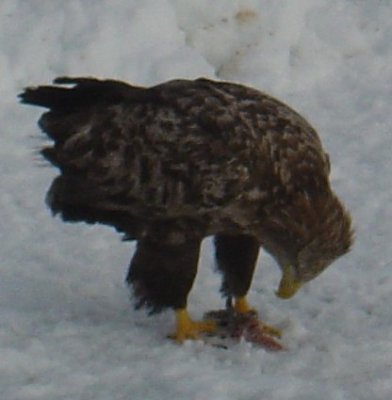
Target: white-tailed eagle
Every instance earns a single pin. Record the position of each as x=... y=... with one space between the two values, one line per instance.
x=171 y=164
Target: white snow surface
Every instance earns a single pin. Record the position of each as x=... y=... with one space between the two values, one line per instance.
x=67 y=327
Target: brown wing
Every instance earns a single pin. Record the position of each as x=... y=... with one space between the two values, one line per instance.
x=135 y=150
x=180 y=148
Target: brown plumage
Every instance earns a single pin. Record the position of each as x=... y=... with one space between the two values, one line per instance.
x=174 y=163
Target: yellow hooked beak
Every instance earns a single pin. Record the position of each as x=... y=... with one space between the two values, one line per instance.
x=289 y=285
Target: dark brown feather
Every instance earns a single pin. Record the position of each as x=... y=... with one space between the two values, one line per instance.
x=210 y=157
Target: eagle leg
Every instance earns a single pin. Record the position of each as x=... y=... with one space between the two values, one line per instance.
x=236 y=257
x=162 y=272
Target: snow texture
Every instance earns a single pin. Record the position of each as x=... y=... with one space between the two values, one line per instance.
x=67 y=329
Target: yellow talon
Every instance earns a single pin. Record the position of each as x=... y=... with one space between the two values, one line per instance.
x=271 y=330
x=186 y=328
x=241 y=305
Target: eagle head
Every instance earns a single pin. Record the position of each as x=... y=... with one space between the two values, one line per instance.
x=305 y=237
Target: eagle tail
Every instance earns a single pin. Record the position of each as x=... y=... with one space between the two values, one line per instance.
x=71 y=103
x=78 y=108
x=84 y=92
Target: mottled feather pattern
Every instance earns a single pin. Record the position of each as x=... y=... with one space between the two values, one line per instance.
x=183 y=127
x=171 y=164
x=167 y=155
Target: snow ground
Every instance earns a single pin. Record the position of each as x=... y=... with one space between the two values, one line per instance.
x=67 y=330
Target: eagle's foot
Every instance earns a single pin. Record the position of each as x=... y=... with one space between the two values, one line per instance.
x=186 y=328
x=242 y=306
